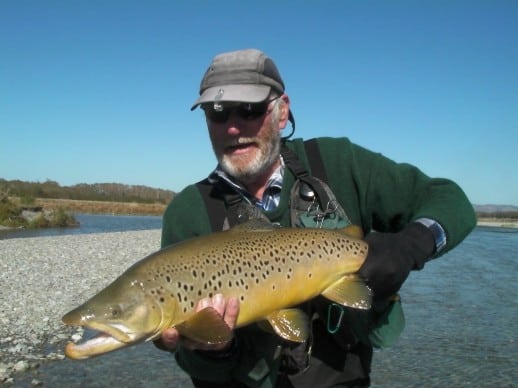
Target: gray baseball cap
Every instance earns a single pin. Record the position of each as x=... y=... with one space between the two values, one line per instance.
x=242 y=76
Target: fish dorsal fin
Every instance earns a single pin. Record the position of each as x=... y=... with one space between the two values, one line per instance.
x=290 y=324
x=353 y=231
x=254 y=224
x=350 y=291
x=206 y=326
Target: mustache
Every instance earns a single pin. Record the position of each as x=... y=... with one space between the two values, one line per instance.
x=240 y=141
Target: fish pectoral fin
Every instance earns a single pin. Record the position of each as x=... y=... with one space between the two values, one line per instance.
x=206 y=326
x=290 y=324
x=350 y=291
x=353 y=231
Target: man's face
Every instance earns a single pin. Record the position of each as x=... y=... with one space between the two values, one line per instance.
x=246 y=145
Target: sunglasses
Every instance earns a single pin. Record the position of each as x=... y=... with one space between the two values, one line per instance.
x=244 y=110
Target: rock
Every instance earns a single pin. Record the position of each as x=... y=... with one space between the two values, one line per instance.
x=76 y=337
x=4 y=372
x=21 y=366
x=55 y=356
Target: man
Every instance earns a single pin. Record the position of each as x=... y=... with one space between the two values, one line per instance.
x=408 y=217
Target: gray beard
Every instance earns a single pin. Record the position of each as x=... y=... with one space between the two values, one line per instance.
x=262 y=162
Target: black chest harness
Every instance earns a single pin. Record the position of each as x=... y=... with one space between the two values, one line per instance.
x=312 y=203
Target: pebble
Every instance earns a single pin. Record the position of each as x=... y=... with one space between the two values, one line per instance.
x=44 y=277
x=21 y=366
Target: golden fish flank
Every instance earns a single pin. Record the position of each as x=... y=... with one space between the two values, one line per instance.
x=268 y=269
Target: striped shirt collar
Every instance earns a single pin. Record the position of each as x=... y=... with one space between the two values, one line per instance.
x=271 y=195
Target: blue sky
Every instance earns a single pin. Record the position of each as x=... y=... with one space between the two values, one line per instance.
x=100 y=91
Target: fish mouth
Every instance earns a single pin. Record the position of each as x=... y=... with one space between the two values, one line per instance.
x=107 y=339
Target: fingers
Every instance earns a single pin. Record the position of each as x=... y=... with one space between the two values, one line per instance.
x=228 y=309
x=217 y=302
x=168 y=340
x=231 y=312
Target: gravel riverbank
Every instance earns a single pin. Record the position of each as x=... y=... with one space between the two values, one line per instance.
x=42 y=278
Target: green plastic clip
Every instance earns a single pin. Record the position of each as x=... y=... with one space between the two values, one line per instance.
x=333 y=329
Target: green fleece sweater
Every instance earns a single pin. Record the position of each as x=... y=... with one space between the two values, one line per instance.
x=376 y=193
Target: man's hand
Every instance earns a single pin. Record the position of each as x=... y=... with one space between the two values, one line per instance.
x=392 y=256
x=228 y=309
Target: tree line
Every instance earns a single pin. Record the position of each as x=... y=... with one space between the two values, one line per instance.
x=114 y=192
x=499 y=215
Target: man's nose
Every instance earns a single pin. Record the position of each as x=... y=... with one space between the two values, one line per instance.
x=233 y=125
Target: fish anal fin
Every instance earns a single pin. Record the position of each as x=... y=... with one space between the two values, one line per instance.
x=350 y=291
x=205 y=326
x=290 y=324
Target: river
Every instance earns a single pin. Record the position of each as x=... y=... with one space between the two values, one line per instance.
x=90 y=223
x=462 y=325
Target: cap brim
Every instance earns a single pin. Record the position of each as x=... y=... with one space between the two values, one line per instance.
x=233 y=93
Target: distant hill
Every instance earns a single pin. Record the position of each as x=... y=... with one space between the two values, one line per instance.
x=495 y=208
x=114 y=192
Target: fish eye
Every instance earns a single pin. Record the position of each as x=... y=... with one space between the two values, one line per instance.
x=115 y=311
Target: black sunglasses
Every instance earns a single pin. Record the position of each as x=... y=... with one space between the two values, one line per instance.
x=243 y=110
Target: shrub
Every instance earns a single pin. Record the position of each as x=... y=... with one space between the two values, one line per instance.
x=61 y=218
x=10 y=214
x=39 y=222
x=27 y=200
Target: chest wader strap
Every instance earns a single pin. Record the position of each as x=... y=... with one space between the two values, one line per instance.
x=299 y=170
x=215 y=208
x=226 y=208
x=220 y=204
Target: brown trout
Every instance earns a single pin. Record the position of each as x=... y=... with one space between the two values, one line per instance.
x=268 y=269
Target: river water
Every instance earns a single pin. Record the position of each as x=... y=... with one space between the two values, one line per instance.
x=90 y=223
x=462 y=329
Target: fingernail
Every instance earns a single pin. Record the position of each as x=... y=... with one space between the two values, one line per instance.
x=218 y=299
x=205 y=302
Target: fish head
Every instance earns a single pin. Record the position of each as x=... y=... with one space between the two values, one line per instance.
x=124 y=313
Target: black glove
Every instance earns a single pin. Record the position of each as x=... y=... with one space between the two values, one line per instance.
x=392 y=256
